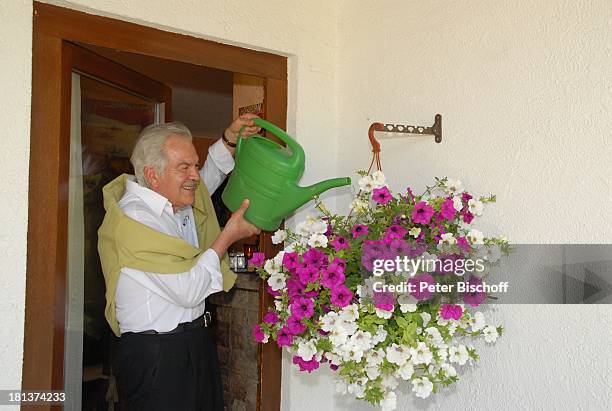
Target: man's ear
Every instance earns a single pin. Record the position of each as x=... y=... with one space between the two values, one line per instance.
x=151 y=176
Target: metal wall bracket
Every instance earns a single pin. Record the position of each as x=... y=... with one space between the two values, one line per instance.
x=435 y=130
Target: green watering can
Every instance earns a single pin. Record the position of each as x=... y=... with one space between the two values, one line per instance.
x=268 y=174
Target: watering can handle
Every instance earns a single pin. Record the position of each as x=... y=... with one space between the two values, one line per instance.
x=278 y=132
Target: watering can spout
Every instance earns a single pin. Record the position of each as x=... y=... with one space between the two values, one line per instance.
x=301 y=195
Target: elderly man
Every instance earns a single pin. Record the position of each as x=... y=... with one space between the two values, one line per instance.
x=162 y=254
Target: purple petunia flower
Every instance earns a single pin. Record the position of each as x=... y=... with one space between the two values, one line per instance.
x=302 y=308
x=448 y=311
x=467 y=216
x=463 y=244
x=422 y=213
x=295 y=325
x=395 y=231
x=330 y=278
x=359 y=230
x=381 y=195
x=420 y=288
x=308 y=274
x=258 y=333
x=341 y=296
x=384 y=300
x=284 y=338
x=272 y=292
x=291 y=261
x=474 y=298
x=339 y=243
x=315 y=258
x=308 y=366
x=270 y=318
x=258 y=259
x=447 y=209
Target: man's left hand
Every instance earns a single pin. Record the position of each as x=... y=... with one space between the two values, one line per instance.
x=231 y=133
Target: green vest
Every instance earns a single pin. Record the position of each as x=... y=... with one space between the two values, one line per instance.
x=123 y=242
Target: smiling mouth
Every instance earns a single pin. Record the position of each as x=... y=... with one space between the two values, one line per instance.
x=191 y=186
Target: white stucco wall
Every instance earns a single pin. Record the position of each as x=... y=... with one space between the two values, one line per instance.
x=526 y=113
x=524 y=89
x=15 y=72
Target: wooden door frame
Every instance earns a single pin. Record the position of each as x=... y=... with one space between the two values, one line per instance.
x=43 y=364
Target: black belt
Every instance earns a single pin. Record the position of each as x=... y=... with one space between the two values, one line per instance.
x=203 y=321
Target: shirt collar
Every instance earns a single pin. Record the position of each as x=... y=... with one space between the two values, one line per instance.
x=155 y=201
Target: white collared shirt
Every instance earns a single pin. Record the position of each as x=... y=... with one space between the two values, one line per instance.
x=151 y=301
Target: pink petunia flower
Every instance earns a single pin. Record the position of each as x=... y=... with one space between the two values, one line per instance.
x=270 y=318
x=359 y=230
x=422 y=213
x=421 y=286
x=258 y=259
x=474 y=298
x=302 y=308
x=291 y=261
x=448 y=311
x=284 y=338
x=258 y=333
x=447 y=209
x=381 y=195
x=339 y=243
x=341 y=296
x=308 y=366
x=295 y=325
x=463 y=244
x=330 y=278
x=395 y=231
x=384 y=300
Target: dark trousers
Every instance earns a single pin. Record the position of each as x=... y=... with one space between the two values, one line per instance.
x=170 y=372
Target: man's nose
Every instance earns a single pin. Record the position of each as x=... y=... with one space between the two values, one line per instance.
x=195 y=173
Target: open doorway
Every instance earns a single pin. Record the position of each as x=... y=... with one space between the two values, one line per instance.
x=129 y=84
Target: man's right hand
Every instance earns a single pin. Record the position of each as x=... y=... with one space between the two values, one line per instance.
x=236 y=229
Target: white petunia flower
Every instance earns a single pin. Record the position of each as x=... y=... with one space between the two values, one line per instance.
x=366 y=184
x=317 y=240
x=350 y=313
x=433 y=336
x=380 y=313
x=414 y=231
x=381 y=335
x=375 y=357
x=398 y=354
x=303 y=228
x=277 y=282
x=406 y=370
x=359 y=205
x=362 y=340
x=453 y=187
x=378 y=179
x=475 y=237
x=475 y=206
x=306 y=350
x=458 y=354
x=457 y=203
x=330 y=321
x=426 y=317
x=373 y=372
x=407 y=303
x=278 y=259
x=477 y=321
x=389 y=403
x=279 y=236
x=421 y=354
x=341 y=386
x=338 y=336
x=318 y=226
x=389 y=382
x=271 y=267
x=349 y=326
x=449 y=370
x=490 y=334
x=422 y=387
x=447 y=238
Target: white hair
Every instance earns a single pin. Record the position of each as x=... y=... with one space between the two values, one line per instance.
x=150 y=148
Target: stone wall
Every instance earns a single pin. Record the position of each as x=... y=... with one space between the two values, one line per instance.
x=234 y=314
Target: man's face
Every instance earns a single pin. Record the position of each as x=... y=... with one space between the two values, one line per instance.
x=180 y=179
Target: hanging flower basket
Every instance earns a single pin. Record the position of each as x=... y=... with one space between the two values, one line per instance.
x=364 y=293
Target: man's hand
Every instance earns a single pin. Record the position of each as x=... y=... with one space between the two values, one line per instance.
x=236 y=229
x=231 y=133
